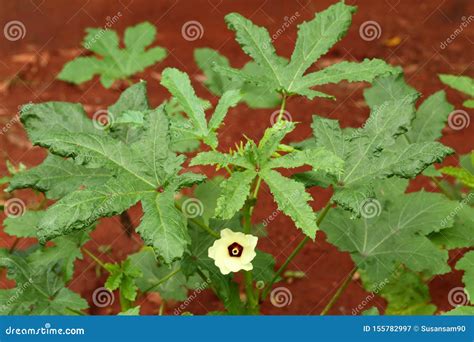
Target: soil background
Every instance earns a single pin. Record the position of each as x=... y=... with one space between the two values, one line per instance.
x=411 y=36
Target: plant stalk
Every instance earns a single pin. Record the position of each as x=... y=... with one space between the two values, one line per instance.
x=295 y=252
x=252 y=301
x=282 y=107
x=339 y=292
x=96 y=259
x=163 y=280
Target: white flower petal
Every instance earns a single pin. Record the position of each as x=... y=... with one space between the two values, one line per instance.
x=219 y=251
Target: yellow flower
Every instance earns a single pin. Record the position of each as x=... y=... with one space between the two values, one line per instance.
x=233 y=251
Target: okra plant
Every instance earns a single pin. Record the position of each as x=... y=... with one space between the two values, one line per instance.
x=198 y=230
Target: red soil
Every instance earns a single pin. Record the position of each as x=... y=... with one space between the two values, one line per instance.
x=54 y=30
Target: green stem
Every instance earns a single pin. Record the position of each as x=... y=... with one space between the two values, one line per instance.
x=97 y=260
x=252 y=301
x=338 y=293
x=294 y=253
x=282 y=107
x=162 y=308
x=163 y=280
x=125 y=304
x=15 y=243
x=254 y=198
x=200 y=224
x=441 y=188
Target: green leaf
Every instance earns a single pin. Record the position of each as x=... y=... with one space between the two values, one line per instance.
x=292 y=199
x=375 y=151
x=80 y=70
x=36 y=292
x=206 y=58
x=255 y=96
x=57 y=177
x=234 y=192
x=430 y=118
x=263 y=267
x=122 y=276
x=80 y=209
x=24 y=225
x=135 y=311
x=319 y=158
x=133 y=101
x=179 y=85
x=373 y=311
x=229 y=99
x=272 y=138
x=464 y=84
x=405 y=292
x=468 y=104
x=466 y=264
x=40 y=119
x=461 y=311
x=115 y=63
x=256 y=42
x=315 y=38
x=65 y=251
x=395 y=232
x=461 y=234
x=163 y=226
x=365 y=71
x=165 y=279
x=388 y=88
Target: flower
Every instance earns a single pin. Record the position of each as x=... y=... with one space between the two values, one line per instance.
x=233 y=251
